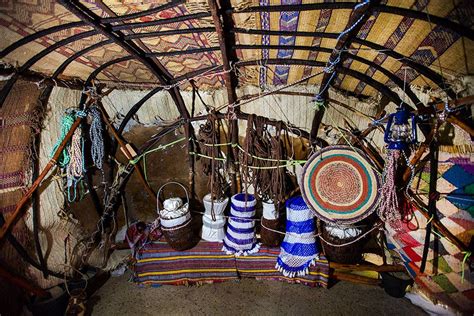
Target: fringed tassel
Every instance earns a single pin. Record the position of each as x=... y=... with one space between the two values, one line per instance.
x=389 y=211
x=76 y=166
x=304 y=270
x=254 y=249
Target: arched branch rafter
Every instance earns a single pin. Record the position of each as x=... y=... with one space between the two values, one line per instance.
x=414 y=14
x=9 y=85
x=78 y=54
x=37 y=35
x=421 y=69
x=136 y=15
x=369 y=63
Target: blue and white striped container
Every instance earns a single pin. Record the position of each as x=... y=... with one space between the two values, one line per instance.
x=240 y=235
x=298 y=250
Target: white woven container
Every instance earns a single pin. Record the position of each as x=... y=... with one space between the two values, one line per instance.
x=168 y=223
x=218 y=207
x=269 y=210
x=213 y=230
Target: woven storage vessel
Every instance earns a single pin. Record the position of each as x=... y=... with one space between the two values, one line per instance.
x=270 y=224
x=240 y=235
x=343 y=234
x=298 y=251
x=178 y=231
x=213 y=230
x=213 y=221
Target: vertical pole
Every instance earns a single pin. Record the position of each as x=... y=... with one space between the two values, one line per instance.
x=226 y=42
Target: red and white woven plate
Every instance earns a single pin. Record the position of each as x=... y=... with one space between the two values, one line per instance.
x=340 y=185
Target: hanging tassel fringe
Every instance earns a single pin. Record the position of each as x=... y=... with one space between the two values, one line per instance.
x=389 y=211
x=304 y=270
x=239 y=253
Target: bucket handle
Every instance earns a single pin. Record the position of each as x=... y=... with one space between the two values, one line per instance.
x=161 y=188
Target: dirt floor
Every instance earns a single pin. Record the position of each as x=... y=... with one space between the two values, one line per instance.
x=247 y=297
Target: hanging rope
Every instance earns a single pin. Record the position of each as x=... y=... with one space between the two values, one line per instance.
x=66 y=124
x=210 y=133
x=278 y=175
x=75 y=168
x=97 y=141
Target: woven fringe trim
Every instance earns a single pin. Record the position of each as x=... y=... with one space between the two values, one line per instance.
x=254 y=249
x=303 y=272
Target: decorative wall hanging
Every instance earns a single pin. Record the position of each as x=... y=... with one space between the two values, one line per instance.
x=240 y=236
x=340 y=185
x=298 y=250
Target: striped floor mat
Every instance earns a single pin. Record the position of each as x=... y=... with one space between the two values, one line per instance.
x=159 y=264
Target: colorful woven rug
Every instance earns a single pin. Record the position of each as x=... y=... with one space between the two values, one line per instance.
x=159 y=264
x=443 y=277
x=340 y=185
x=262 y=267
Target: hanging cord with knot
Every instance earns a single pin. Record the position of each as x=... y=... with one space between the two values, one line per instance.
x=277 y=175
x=66 y=123
x=209 y=133
x=258 y=172
x=97 y=141
x=331 y=65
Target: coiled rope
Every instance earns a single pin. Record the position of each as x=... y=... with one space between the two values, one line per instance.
x=66 y=124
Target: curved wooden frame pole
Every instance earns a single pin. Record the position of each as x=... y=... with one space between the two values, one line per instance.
x=10 y=221
x=127 y=153
x=25 y=198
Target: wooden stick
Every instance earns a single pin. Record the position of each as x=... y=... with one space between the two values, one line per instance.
x=461 y=124
x=419 y=153
x=19 y=281
x=367 y=267
x=436 y=223
x=127 y=153
x=337 y=275
x=18 y=210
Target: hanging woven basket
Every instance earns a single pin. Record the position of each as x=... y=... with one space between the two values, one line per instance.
x=178 y=231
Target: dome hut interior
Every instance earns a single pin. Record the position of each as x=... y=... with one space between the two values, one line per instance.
x=211 y=157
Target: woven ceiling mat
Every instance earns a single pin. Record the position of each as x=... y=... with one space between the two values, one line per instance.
x=340 y=185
